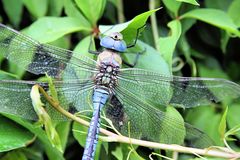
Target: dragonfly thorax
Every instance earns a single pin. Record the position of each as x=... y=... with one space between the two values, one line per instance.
x=108 y=65
x=107 y=75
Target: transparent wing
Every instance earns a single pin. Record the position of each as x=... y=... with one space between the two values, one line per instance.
x=40 y=58
x=73 y=96
x=146 y=122
x=197 y=138
x=183 y=92
x=131 y=114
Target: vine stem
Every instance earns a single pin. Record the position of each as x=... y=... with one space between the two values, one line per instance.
x=152 y=6
x=112 y=137
x=121 y=18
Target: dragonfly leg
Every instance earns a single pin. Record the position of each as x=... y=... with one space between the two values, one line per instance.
x=135 y=60
x=92 y=51
x=137 y=34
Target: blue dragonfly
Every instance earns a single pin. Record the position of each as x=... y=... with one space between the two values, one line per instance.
x=124 y=94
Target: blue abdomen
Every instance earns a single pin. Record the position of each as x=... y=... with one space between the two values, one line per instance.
x=100 y=97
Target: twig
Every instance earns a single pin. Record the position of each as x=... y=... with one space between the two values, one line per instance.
x=121 y=17
x=152 y=6
x=226 y=153
x=159 y=155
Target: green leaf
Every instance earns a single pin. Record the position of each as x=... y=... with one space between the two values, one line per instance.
x=233 y=12
x=82 y=48
x=48 y=29
x=13 y=9
x=158 y=63
x=173 y=6
x=167 y=44
x=224 y=41
x=221 y=5
x=117 y=153
x=71 y=11
x=6 y=76
x=198 y=116
x=13 y=136
x=63 y=129
x=44 y=118
x=16 y=70
x=51 y=151
x=55 y=7
x=211 y=72
x=214 y=17
x=35 y=8
x=136 y=23
x=63 y=42
x=14 y=155
x=107 y=29
x=171 y=138
x=232 y=131
x=80 y=134
x=128 y=29
x=194 y=2
x=114 y=2
x=1 y=59
x=223 y=124
x=91 y=9
x=187 y=24
x=52 y=89
x=233 y=119
x=122 y=151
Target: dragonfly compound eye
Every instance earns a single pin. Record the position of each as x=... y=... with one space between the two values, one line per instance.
x=116 y=36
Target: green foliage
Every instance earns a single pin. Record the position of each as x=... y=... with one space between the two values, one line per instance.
x=214 y=17
x=13 y=9
x=91 y=9
x=190 y=1
x=13 y=136
x=14 y=155
x=129 y=29
x=233 y=11
x=168 y=44
x=233 y=121
x=7 y=75
x=158 y=63
x=35 y=8
x=53 y=28
x=223 y=124
x=44 y=118
x=203 y=34
x=171 y=133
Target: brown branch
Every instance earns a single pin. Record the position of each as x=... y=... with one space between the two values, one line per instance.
x=112 y=137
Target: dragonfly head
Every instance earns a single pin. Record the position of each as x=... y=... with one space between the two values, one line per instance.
x=114 y=42
x=116 y=36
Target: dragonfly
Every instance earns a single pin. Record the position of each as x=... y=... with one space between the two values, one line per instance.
x=123 y=94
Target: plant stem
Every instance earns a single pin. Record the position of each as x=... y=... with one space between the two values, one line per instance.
x=172 y=147
x=121 y=18
x=152 y=5
x=112 y=137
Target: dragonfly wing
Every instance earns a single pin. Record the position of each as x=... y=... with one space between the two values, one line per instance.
x=183 y=92
x=197 y=138
x=15 y=97
x=40 y=58
x=78 y=97
x=145 y=121
x=149 y=123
